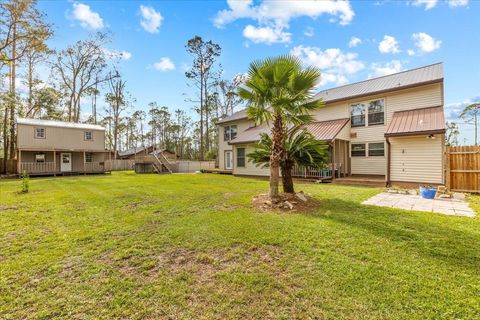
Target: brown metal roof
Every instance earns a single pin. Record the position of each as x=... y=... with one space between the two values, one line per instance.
x=326 y=130
x=405 y=79
x=402 y=80
x=323 y=130
x=417 y=121
x=250 y=135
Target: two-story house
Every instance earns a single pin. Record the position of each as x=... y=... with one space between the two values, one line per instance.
x=391 y=127
x=46 y=147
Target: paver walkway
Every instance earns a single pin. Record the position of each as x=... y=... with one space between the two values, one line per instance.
x=415 y=202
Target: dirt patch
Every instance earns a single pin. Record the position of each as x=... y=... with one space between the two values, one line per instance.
x=288 y=202
x=4 y=208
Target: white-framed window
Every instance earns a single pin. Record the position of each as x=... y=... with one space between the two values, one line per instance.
x=40 y=157
x=88 y=157
x=357 y=114
x=229 y=132
x=39 y=133
x=376 y=112
x=359 y=150
x=376 y=149
x=368 y=113
x=87 y=135
x=241 y=157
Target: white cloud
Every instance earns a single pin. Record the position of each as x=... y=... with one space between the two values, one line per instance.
x=120 y=55
x=383 y=69
x=276 y=15
x=425 y=42
x=309 y=32
x=87 y=18
x=354 y=41
x=389 y=45
x=266 y=35
x=411 y=52
x=165 y=64
x=151 y=19
x=457 y=3
x=428 y=4
x=335 y=65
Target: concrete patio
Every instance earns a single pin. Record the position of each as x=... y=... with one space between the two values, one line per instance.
x=414 y=202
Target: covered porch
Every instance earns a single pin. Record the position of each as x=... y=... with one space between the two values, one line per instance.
x=59 y=162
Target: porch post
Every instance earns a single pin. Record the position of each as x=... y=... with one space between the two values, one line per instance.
x=19 y=162
x=84 y=162
x=332 y=158
x=54 y=163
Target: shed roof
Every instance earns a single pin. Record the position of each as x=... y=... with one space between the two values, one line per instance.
x=59 y=124
x=326 y=130
x=416 y=121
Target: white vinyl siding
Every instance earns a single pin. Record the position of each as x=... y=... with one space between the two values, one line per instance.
x=250 y=169
x=371 y=165
x=223 y=146
x=417 y=159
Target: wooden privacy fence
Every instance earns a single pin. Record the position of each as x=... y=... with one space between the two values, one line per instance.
x=462 y=168
x=119 y=165
x=11 y=165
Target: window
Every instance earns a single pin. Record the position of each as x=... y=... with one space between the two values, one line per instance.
x=358 y=115
x=229 y=133
x=88 y=135
x=40 y=133
x=88 y=157
x=358 y=150
x=376 y=113
x=240 y=157
x=376 y=149
x=40 y=158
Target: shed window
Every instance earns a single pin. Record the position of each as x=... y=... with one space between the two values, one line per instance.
x=88 y=135
x=40 y=157
x=358 y=150
x=88 y=157
x=240 y=157
x=358 y=115
x=229 y=133
x=40 y=133
x=376 y=149
x=376 y=114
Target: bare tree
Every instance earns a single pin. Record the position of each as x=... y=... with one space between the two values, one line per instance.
x=80 y=68
x=471 y=114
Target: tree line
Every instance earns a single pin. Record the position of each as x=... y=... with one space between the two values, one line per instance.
x=83 y=83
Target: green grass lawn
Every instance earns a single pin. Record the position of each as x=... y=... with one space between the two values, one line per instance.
x=191 y=246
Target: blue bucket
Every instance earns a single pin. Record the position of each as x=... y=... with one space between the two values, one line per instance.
x=428 y=192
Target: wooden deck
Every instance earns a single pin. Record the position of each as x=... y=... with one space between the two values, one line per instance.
x=362 y=180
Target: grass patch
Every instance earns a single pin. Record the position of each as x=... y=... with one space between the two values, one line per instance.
x=192 y=246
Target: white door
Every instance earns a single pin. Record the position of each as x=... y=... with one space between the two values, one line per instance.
x=228 y=160
x=65 y=162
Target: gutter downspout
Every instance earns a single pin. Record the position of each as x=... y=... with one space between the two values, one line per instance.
x=389 y=157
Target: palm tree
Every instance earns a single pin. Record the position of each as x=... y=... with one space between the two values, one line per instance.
x=300 y=149
x=471 y=113
x=279 y=93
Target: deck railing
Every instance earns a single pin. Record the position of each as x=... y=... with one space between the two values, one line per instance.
x=37 y=167
x=94 y=167
x=317 y=173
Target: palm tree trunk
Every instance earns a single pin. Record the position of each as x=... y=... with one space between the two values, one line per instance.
x=275 y=157
x=287 y=180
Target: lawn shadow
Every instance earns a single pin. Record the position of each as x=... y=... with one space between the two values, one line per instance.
x=429 y=236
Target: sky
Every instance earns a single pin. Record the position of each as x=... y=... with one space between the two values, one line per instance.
x=348 y=41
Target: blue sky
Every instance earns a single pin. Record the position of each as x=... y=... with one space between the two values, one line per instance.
x=349 y=41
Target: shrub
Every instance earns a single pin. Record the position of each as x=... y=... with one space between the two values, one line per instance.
x=25 y=182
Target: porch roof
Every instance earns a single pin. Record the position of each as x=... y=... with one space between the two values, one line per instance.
x=321 y=130
x=417 y=121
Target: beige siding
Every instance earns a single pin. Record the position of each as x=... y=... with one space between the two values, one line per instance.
x=417 y=159
x=59 y=139
x=223 y=146
x=250 y=169
x=369 y=165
